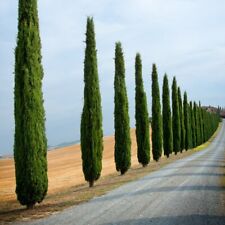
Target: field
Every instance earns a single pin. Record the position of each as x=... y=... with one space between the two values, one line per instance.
x=64 y=168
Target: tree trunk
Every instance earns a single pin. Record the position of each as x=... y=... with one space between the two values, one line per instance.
x=91 y=183
x=30 y=206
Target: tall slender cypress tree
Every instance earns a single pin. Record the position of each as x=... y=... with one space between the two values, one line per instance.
x=182 y=129
x=176 y=117
x=186 y=122
x=156 y=117
x=196 y=118
x=193 y=125
x=167 y=120
x=30 y=145
x=200 y=123
x=91 y=118
x=190 y=126
x=121 y=115
x=141 y=116
x=203 y=125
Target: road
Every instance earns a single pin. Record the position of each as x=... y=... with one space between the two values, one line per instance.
x=185 y=192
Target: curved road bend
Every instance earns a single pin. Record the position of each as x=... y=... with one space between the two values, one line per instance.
x=185 y=192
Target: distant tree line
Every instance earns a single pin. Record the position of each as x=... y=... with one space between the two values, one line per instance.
x=186 y=126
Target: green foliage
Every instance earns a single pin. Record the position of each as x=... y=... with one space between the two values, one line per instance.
x=176 y=118
x=91 y=119
x=203 y=125
x=167 y=119
x=121 y=115
x=200 y=123
x=187 y=138
x=190 y=127
x=182 y=129
x=30 y=144
x=197 y=125
x=194 y=143
x=141 y=116
x=210 y=123
x=156 y=117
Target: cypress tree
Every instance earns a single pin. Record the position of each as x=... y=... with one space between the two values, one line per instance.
x=156 y=117
x=193 y=125
x=200 y=123
x=190 y=126
x=121 y=115
x=197 y=127
x=141 y=116
x=167 y=120
x=176 y=117
x=181 y=113
x=186 y=122
x=203 y=126
x=30 y=144
x=91 y=118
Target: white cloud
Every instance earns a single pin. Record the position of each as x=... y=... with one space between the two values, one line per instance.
x=184 y=37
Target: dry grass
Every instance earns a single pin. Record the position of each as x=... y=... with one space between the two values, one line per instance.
x=64 y=168
x=11 y=210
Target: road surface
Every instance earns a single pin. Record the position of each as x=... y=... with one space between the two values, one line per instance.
x=186 y=192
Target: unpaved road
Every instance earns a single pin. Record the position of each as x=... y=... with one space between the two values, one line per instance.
x=186 y=192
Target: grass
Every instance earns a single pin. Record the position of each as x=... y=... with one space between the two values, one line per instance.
x=206 y=144
x=12 y=211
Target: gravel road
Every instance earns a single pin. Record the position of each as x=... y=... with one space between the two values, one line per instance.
x=185 y=192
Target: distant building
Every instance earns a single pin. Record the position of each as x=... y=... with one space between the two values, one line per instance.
x=212 y=109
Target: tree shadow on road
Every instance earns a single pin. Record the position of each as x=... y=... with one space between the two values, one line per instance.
x=151 y=190
x=174 y=220
x=194 y=166
x=184 y=174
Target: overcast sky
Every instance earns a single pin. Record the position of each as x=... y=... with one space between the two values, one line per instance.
x=185 y=38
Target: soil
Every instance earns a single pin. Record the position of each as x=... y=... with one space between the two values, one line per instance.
x=64 y=168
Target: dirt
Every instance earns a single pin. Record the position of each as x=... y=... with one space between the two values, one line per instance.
x=64 y=168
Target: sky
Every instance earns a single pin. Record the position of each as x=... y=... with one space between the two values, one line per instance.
x=185 y=38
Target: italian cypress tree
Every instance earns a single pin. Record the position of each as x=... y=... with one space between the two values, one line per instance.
x=197 y=127
x=203 y=125
x=30 y=144
x=190 y=127
x=176 y=117
x=186 y=122
x=121 y=115
x=141 y=116
x=156 y=117
x=200 y=123
x=182 y=129
x=193 y=125
x=167 y=120
x=91 y=118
